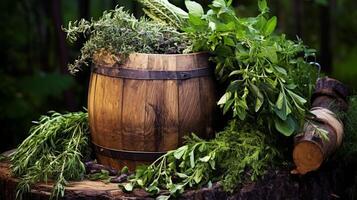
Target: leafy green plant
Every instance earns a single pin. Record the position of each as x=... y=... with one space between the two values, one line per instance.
x=233 y=157
x=259 y=67
x=102 y=175
x=257 y=64
x=120 y=33
x=54 y=150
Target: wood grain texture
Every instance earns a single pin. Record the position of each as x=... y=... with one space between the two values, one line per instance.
x=74 y=191
x=150 y=115
x=310 y=150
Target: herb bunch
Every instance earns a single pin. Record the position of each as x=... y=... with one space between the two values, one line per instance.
x=258 y=65
x=54 y=150
x=268 y=77
x=232 y=157
x=120 y=33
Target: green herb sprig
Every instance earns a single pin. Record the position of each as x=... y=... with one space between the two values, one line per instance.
x=120 y=33
x=233 y=157
x=269 y=80
x=54 y=150
x=258 y=65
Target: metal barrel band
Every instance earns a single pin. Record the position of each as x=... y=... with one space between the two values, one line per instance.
x=127 y=155
x=151 y=74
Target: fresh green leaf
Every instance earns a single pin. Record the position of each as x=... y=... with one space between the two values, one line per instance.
x=224 y=98
x=280 y=70
x=181 y=175
x=163 y=197
x=258 y=104
x=229 y=41
x=286 y=127
x=270 y=26
x=194 y=8
x=263 y=6
x=198 y=176
x=297 y=98
x=192 y=158
x=180 y=151
x=280 y=101
x=205 y=159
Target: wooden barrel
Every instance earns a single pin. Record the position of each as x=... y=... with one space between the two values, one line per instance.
x=142 y=108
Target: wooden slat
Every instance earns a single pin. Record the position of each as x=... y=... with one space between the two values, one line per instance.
x=91 y=106
x=153 y=107
x=190 y=118
x=171 y=109
x=133 y=112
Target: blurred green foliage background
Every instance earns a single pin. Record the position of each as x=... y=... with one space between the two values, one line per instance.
x=33 y=74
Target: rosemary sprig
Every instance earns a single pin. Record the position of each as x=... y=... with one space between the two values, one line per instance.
x=54 y=150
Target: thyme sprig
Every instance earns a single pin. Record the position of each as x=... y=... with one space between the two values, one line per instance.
x=119 y=32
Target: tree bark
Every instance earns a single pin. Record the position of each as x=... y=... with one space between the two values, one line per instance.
x=311 y=149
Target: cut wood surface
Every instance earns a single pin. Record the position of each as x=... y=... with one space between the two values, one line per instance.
x=148 y=116
x=311 y=149
x=277 y=184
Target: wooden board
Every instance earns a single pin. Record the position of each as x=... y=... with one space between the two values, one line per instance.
x=75 y=190
x=277 y=184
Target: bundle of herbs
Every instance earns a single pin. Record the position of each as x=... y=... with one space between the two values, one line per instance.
x=120 y=33
x=54 y=151
x=269 y=79
x=262 y=71
x=236 y=155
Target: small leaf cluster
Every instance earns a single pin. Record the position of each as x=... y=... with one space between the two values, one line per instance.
x=120 y=33
x=54 y=150
x=232 y=157
x=258 y=66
